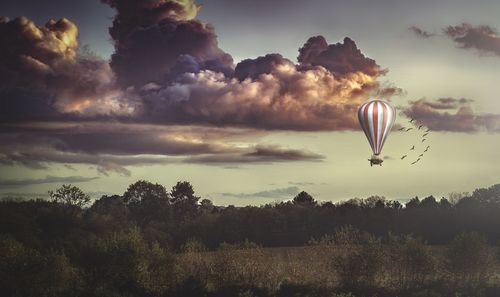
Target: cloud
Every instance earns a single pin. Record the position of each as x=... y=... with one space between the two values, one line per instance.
x=156 y=39
x=340 y=58
x=449 y=114
x=169 y=93
x=44 y=77
x=113 y=147
x=259 y=154
x=283 y=96
x=46 y=180
x=280 y=193
x=484 y=39
x=189 y=80
x=420 y=32
x=275 y=152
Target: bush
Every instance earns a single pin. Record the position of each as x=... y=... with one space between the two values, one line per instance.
x=470 y=260
x=124 y=264
x=412 y=263
x=360 y=266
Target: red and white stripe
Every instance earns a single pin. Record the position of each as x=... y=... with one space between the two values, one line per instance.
x=376 y=117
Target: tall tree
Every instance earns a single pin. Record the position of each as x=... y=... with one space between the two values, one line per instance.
x=71 y=195
x=141 y=190
x=303 y=198
x=184 y=200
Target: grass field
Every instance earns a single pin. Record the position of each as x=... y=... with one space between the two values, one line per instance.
x=314 y=266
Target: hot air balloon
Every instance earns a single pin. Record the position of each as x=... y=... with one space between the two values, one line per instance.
x=376 y=118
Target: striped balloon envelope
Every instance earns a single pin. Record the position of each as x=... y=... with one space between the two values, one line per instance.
x=376 y=118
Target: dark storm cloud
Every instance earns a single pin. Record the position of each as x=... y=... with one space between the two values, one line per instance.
x=484 y=39
x=253 y=68
x=420 y=32
x=449 y=114
x=341 y=58
x=46 y=180
x=152 y=37
x=281 y=193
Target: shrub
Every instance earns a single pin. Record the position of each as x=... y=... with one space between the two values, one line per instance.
x=470 y=260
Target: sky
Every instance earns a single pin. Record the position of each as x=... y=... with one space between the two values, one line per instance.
x=250 y=101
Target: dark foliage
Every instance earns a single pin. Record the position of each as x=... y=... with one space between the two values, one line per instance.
x=150 y=242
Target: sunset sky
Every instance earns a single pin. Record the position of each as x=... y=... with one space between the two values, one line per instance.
x=251 y=101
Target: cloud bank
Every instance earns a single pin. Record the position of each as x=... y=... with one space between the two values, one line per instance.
x=169 y=93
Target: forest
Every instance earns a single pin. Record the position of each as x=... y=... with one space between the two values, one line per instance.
x=151 y=241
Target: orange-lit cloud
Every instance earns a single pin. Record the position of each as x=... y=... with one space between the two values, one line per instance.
x=43 y=62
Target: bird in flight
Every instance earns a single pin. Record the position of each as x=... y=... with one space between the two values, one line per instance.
x=409 y=129
x=403 y=157
x=427 y=148
x=424 y=140
x=411 y=121
x=401 y=129
x=419 y=127
x=412 y=148
x=428 y=129
x=415 y=161
x=421 y=155
x=425 y=134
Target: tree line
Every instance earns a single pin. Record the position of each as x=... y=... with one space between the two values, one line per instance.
x=172 y=217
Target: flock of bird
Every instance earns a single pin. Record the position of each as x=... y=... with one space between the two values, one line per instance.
x=426 y=132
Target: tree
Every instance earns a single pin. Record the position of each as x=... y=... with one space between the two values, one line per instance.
x=488 y=195
x=183 y=199
x=70 y=195
x=303 y=198
x=374 y=202
x=444 y=203
x=109 y=213
x=413 y=203
x=429 y=203
x=206 y=205
x=142 y=190
x=124 y=264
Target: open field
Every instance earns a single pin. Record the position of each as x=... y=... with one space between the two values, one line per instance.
x=309 y=265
